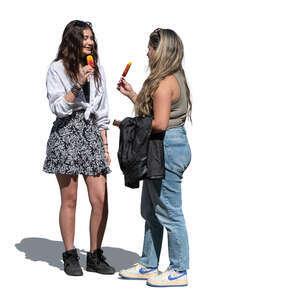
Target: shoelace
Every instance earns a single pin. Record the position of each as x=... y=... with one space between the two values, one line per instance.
x=73 y=259
x=101 y=257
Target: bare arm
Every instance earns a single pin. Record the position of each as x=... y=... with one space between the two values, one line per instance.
x=104 y=139
x=83 y=76
x=162 y=101
x=126 y=89
x=167 y=92
x=70 y=97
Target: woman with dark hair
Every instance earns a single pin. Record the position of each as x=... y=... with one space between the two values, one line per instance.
x=165 y=96
x=78 y=141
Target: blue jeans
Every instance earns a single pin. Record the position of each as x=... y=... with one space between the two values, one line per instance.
x=161 y=205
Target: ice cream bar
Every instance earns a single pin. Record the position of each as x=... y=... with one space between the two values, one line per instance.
x=90 y=61
x=126 y=69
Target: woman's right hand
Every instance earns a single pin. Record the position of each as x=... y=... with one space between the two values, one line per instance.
x=84 y=74
x=126 y=89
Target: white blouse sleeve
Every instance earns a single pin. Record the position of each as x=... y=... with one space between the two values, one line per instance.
x=56 y=94
x=102 y=118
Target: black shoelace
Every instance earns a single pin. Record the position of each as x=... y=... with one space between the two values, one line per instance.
x=74 y=259
x=101 y=258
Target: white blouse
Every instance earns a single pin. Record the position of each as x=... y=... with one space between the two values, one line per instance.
x=58 y=84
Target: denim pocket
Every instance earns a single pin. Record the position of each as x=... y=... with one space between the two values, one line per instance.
x=177 y=155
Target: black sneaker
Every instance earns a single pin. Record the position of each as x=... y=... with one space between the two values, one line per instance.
x=71 y=263
x=96 y=262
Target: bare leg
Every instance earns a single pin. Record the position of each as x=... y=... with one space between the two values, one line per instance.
x=68 y=189
x=97 y=190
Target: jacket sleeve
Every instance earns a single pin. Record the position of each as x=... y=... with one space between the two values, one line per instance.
x=102 y=117
x=56 y=94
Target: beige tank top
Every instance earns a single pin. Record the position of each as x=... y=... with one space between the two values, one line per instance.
x=180 y=107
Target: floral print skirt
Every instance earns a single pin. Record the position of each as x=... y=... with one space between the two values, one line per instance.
x=75 y=147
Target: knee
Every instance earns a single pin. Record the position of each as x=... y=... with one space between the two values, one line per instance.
x=172 y=220
x=97 y=202
x=69 y=200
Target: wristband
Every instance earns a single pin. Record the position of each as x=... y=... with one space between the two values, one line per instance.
x=75 y=89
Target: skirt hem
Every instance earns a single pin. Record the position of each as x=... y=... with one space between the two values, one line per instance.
x=103 y=172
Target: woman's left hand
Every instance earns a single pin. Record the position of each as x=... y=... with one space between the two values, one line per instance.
x=107 y=158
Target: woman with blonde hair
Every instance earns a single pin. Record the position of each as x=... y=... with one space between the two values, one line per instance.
x=166 y=97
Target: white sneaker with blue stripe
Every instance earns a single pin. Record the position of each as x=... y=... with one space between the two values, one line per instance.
x=168 y=278
x=138 y=271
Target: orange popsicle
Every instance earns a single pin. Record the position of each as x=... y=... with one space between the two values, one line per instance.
x=90 y=61
x=126 y=69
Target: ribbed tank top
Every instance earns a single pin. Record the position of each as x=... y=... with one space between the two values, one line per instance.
x=180 y=107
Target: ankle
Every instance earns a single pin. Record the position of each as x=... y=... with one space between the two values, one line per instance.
x=68 y=249
x=96 y=251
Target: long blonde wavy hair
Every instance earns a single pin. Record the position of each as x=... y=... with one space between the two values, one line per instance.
x=165 y=61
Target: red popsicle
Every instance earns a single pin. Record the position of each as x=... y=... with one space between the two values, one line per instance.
x=126 y=69
x=90 y=61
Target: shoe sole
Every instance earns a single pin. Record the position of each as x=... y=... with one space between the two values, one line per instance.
x=80 y=274
x=88 y=269
x=171 y=285
x=133 y=278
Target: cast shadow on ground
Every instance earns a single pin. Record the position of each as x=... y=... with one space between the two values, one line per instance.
x=41 y=249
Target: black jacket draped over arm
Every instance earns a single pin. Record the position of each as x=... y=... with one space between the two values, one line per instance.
x=141 y=153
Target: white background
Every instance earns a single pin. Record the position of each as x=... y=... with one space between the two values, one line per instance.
x=241 y=192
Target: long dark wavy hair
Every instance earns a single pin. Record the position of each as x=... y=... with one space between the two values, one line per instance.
x=70 y=50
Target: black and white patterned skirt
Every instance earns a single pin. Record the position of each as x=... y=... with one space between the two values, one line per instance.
x=75 y=146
